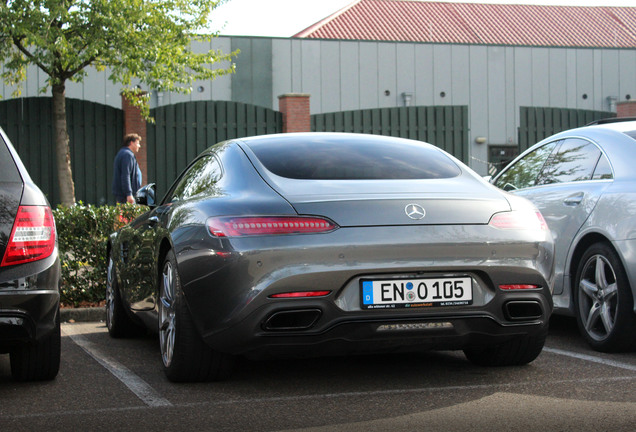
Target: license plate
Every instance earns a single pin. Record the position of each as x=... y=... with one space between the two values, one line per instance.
x=410 y=293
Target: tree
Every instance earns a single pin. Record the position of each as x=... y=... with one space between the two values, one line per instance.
x=139 y=42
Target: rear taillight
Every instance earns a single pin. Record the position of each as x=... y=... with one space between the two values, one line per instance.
x=32 y=237
x=529 y=219
x=238 y=226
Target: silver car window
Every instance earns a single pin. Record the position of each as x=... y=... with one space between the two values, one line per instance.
x=631 y=134
x=574 y=160
x=603 y=170
x=524 y=172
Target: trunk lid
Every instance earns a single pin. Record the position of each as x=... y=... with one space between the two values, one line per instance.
x=455 y=201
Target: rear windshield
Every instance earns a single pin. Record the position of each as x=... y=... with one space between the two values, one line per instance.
x=631 y=134
x=8 y=171
x=321 y=158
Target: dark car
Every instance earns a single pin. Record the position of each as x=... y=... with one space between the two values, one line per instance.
x=316 y=244
x=29 y=273
x=584 y=182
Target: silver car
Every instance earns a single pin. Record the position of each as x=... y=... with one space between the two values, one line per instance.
x=584 y=182
x=315 y=244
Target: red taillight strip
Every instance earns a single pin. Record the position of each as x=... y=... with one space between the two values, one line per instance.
x=511 y=287
x=301 y=294
x=238 y=226
x=32 y=237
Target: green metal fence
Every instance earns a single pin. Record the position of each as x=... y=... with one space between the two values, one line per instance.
x=95 y=134
x=443 y=126
x=537 y=123
x=184 y=130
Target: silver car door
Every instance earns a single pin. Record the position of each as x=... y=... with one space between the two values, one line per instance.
x=566 y=193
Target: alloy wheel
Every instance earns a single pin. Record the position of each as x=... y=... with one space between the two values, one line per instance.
x=110 y=293
x=167 y=314
x=598 y=297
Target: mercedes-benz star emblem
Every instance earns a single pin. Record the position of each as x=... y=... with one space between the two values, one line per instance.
x=415 y=211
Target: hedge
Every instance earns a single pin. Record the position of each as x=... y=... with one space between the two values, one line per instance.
x=83 y=232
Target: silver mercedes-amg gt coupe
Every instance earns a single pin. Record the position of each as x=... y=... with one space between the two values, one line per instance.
x=319 y=243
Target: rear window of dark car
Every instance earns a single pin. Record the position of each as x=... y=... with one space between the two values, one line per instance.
x=8 y=171
x=321 y=158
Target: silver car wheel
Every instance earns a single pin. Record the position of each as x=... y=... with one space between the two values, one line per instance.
x=598 y=300
x=110 y=293
x=167 y=314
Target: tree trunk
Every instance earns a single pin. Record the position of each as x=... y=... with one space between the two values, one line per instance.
x=62 y=148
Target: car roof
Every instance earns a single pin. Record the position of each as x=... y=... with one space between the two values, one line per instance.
x=624 y=126
x=596 y=131
x=615 y=138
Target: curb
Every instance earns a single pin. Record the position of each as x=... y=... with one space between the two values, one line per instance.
x=87 y=314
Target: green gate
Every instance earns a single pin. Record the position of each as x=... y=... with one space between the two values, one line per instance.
x=182 y=131
x=444 y=126
x=538 y=123
x=95 y=134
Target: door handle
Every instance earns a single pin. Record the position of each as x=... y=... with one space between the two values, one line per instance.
x=574 y=200
x=153 y=220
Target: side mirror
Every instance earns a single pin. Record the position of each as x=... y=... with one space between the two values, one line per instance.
x=146 y=195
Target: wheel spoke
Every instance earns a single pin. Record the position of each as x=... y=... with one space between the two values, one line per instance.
x=588 y=288
x=592 y=317
x=170 y=341
x=606 y=318
x=599 y=273
x=610 y=292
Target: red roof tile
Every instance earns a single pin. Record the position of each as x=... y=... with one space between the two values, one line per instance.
x=489 y=24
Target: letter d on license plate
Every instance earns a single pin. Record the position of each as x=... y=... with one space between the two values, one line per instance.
x=403 y=293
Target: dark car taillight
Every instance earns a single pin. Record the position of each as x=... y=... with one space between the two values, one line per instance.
x=268 y=225
x=32 y=237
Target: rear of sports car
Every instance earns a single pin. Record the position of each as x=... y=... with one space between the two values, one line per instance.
x=29 y=273
x=381 y=251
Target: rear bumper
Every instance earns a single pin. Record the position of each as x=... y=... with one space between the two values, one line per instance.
x=29 y=306
x=333 y=332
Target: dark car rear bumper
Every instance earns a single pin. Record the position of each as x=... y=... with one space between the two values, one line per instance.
x=29 y=306
x=334 y=333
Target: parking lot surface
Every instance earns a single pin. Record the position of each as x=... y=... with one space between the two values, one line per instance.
x=117 y=384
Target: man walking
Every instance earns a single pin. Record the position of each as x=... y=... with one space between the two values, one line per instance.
x=126 y=172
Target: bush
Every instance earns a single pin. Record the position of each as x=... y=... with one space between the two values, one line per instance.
x=83 y=232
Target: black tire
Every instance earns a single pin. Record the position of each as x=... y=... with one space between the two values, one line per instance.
x=603 y=301
x=38 y=360
x=515 y=352
x=185 y=356
x=119 y=324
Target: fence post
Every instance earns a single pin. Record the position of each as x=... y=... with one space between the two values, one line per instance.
x=295 y=110
x=135 y=123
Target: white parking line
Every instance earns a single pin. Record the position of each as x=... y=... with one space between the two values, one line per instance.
x=139 y=387
x=590 y=358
